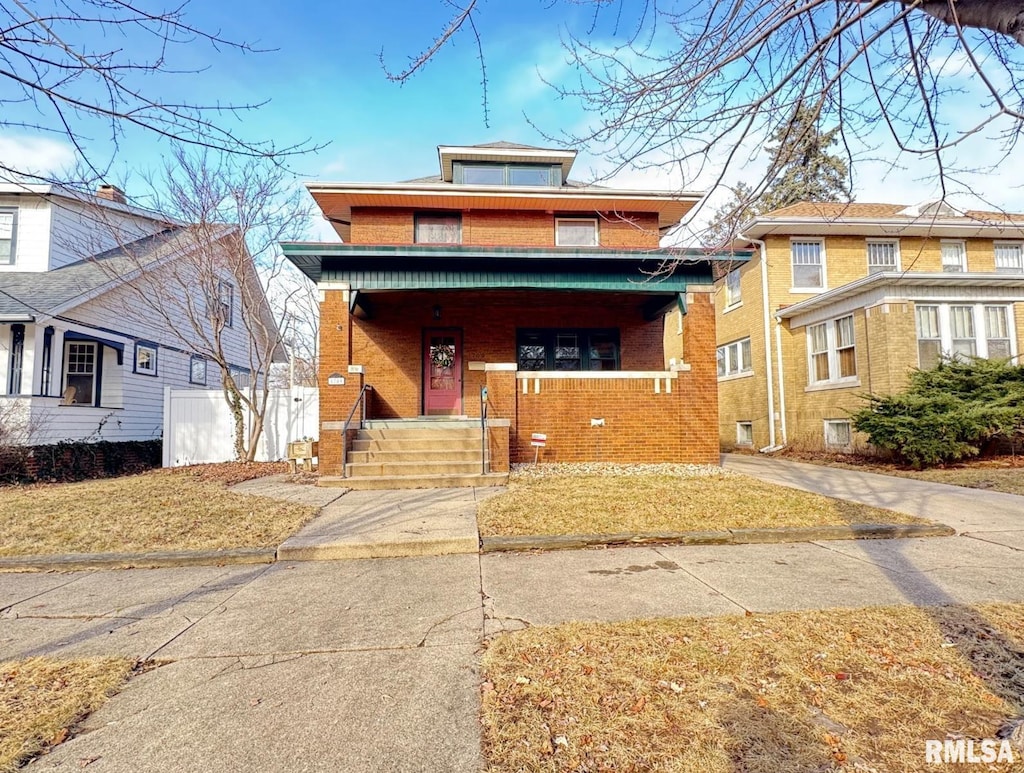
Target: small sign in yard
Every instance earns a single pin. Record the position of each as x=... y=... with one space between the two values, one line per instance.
x=538 y=440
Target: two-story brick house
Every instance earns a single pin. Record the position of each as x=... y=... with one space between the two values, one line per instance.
x=841 y=300
x=499 y=285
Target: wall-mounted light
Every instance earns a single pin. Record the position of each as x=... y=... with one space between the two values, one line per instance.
x=437 y=312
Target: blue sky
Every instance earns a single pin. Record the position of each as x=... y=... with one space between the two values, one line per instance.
x=324 y=82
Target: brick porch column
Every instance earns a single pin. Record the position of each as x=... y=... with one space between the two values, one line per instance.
x=335 y=357
x=698 y=417
x=501 y=404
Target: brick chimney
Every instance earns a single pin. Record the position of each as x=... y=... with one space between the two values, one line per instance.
x=111 y=193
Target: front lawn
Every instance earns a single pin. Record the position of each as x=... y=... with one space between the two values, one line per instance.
x=186 y=508
x=833 y=690
x=41 y=699
x=617 y=499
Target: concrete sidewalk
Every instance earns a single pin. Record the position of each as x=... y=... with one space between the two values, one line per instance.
x=979 y=513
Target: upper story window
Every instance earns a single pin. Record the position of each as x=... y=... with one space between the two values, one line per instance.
x=883 y=255
x=540 y=175
x=226 y=303
x=438 y=228
x=954 y=256
x=1009 y=257
x=831 y=352
x=733 y=292
x=576 y=232
x=808 y=264
x=8 y=236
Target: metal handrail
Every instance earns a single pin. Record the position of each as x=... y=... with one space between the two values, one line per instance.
x=361 y=400
x=483 y=430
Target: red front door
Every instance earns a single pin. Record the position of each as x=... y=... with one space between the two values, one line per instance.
x=442 y=372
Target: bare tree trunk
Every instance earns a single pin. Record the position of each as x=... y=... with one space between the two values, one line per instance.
x=1003 y=16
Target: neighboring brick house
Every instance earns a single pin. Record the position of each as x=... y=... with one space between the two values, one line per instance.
x=500 y=273
x=850 y=299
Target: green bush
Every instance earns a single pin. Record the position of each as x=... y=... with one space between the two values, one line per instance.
x=948 y=413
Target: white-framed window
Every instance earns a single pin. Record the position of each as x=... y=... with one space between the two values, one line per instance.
x=838 y=433
x=744 y=433
x=8 y=236
x=226 y=303
x=734 y=359
x=733 y=293
x=241 y=376
x=145 y=358
x=808 y=257
x=1009 y=257
x=832 y=352
x=883 y=255
x=954 y=256
x=576 y=232
x=437 y=228
x=197 y=370
x=80 y=372
x=947 y=330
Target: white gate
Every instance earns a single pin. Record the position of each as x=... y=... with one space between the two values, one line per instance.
x=198 y=427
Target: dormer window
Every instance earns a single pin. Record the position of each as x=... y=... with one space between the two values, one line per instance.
x=532 y=175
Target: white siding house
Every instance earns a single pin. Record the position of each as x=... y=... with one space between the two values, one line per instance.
x=83 y=356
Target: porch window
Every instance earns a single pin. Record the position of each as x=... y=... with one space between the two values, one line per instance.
x=15 y=358
x=438 y=228
x=963 y=331
x=8 y=236
x=80 y=373
x=568 y=350
x=576 y=232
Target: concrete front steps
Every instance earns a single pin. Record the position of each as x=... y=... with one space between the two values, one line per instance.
x=416 y=453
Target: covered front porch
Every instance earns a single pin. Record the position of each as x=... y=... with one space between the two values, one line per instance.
x=565 y=343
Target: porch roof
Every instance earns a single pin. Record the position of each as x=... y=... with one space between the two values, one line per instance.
x=422 y=267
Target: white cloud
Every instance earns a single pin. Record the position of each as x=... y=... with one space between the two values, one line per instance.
x=35 y=155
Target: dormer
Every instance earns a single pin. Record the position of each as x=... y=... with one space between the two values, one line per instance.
x=504 y=164
x=933 y=209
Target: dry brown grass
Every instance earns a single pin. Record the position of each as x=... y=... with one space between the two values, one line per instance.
x=601 y=504
x=1000 y=473
x=42 y=698
x=183 y=509
x=835 y=690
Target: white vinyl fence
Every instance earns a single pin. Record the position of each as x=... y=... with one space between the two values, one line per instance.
x=198 y=426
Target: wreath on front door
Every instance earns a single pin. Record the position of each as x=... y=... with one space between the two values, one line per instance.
x=443 y=356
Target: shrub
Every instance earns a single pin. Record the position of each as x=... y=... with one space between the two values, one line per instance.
x=948 y=413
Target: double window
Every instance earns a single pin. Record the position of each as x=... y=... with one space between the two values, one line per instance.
x=883 y=255
x=576 y=232
x=831 y=352
x=734 y=359
x=962 y=331
x=808 y=264
x=8 y=236
x=437 y=228
x=533 y=175
x=568 y=349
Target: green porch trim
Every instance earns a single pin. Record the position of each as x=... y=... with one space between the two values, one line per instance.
x=332 y=261
x=629 y=282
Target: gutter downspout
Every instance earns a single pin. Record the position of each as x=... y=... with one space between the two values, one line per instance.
x=782 y=387
x=768 y=365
